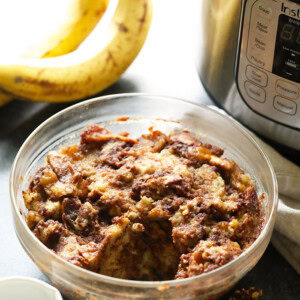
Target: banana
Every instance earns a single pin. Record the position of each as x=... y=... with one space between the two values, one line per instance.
x=83 y=17
x=90 y=12
x=89 y=69
x=5 y=97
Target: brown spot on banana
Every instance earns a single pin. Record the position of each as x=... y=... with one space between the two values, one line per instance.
x=52 y=87
x=122 y=27
x=110 y=57
x=99 y=12
x=143 y=18
x=35 y=81
x=18 y=79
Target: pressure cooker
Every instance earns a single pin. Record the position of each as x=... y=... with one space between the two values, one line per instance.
x=249 y=62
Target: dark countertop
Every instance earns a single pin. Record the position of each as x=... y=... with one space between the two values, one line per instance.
x=165 y=66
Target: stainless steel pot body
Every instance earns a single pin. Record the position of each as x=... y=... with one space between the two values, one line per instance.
x=249 y=62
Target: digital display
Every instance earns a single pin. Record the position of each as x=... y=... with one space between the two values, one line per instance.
x=287 y=49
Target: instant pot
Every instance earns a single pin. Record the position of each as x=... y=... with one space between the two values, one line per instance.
x=249 y=63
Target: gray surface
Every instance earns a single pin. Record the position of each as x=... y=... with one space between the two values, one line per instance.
x=165 y=66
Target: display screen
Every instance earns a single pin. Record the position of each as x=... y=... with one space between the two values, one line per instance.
x=287 y=49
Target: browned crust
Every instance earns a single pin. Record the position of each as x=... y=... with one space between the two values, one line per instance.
x=153 y=208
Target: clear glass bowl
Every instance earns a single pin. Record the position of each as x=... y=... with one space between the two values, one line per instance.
x=144 y=111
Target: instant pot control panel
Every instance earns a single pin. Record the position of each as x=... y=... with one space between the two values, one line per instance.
x=268 y=59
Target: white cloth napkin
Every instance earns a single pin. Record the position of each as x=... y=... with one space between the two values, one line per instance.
x=286 y=236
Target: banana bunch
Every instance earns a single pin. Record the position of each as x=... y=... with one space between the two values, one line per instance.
x=97 y=63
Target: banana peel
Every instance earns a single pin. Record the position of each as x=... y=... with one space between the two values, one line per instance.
x=91 y=11
x=85 y=16
x=5 y=97
x=89 y=69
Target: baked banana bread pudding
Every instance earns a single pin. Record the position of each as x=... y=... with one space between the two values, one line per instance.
x=158 y=207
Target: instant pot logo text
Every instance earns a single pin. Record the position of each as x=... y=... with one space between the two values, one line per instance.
x=289 y=11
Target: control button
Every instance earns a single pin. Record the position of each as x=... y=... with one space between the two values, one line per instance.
x=287 y=89
x=262 y=27
x=284 y=105
x=256 y=57
x=256 y=76
x=255 y=92
x=259 y=43
x=264 y=11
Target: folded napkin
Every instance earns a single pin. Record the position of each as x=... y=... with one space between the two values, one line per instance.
x=286 y=236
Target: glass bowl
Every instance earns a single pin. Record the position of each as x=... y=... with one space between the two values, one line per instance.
x=165 y=114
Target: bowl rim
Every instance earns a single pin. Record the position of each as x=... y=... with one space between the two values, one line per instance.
x=42 y=285
x=137 y=283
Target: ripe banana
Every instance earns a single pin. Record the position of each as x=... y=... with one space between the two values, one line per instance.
x=76 y=30
x=89 y=69
x=83 y=16
x=5 y=97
